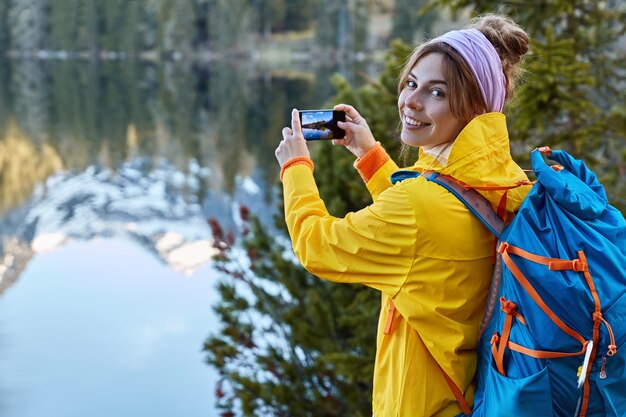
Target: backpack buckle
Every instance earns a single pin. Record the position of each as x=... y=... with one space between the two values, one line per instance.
x=576 y=265
x=579 y=265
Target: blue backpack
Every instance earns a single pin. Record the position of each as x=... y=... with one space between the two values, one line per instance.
x=552 y=339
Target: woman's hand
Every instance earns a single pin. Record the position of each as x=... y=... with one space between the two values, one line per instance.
x=359 y=139
x=293 y=143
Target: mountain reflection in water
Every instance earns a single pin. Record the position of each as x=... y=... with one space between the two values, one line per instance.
x=114 y=292
x=109 y=173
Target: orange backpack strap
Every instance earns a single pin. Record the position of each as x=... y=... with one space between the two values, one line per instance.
x=456 y=392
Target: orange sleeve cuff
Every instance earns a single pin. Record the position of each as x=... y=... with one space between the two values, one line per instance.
x=371 y=162
x=298 y=160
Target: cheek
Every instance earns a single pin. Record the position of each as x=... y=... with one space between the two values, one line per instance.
x=445 y=122
x=401 y=100
x=442 y=113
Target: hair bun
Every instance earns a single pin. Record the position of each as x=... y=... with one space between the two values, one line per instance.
x=510 y=41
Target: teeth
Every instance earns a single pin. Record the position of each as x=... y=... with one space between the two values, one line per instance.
x=414 y=122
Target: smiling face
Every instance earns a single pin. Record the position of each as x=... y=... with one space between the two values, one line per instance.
x=424 y=105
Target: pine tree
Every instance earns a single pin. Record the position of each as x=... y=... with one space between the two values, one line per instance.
x=87 y=28
x=342 y=25
x=28 y=22
x=409 y=22
x=5 y=33
x=176 y=29
x=228 y=22
x=573 y=93
x=269 y=15
x=292 y=344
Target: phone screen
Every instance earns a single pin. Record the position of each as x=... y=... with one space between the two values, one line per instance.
x=322 y=124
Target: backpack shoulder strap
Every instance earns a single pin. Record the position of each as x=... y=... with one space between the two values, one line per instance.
x=473 y=200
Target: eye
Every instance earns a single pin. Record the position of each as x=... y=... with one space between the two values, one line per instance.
x=438 y=93
x=411 y=84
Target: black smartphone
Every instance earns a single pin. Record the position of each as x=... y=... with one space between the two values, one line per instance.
x=322 y=124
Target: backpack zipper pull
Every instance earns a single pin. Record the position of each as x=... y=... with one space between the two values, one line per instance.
x=603 y=368
x=582 y=375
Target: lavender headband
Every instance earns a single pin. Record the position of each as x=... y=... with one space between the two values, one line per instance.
x=484 y=62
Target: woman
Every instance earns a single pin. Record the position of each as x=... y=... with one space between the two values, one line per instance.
x=428 y=255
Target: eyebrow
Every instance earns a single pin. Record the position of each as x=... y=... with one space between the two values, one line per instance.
x=431 y=82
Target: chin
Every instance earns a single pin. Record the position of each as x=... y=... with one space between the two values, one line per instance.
x=410 y=141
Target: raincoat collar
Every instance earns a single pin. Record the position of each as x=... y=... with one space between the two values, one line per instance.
x=480 y=155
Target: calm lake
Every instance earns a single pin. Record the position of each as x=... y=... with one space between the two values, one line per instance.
x=109 y=172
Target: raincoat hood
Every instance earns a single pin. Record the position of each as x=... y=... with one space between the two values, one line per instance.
x=480 y=156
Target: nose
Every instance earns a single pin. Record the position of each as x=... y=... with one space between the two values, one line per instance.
x=413 y=100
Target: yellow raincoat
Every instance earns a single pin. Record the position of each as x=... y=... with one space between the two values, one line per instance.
x=423 y=249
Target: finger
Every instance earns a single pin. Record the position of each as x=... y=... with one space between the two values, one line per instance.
x=287 y=132
x=350 y=112
x=348 y=126
x=295 y=123
x=342 y=107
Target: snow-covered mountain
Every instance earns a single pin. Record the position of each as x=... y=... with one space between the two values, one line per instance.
x=152 y=204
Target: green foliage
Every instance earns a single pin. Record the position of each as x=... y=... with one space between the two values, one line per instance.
x=5 y=36
x=270 y=15
x=291 y=344
x=228 y=22
x=554 y=104
x=411 y=21
x=342 y=25
x=150 y=25
x=26 y=23
x=298 y=15
x=168 y=26
x=573 y=94
x=85 y=27
x=64 y=23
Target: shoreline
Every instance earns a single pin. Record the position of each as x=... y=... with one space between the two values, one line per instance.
x=262 y=55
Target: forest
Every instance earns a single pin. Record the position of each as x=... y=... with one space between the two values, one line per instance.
x=197 y=28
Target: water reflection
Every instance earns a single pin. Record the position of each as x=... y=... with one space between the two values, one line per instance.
x=139 y=154
x=113 y=334
x=117 y=122
x=75 y=114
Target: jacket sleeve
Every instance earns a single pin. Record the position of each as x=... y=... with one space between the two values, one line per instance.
x=376 y=167
x=374 y=246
